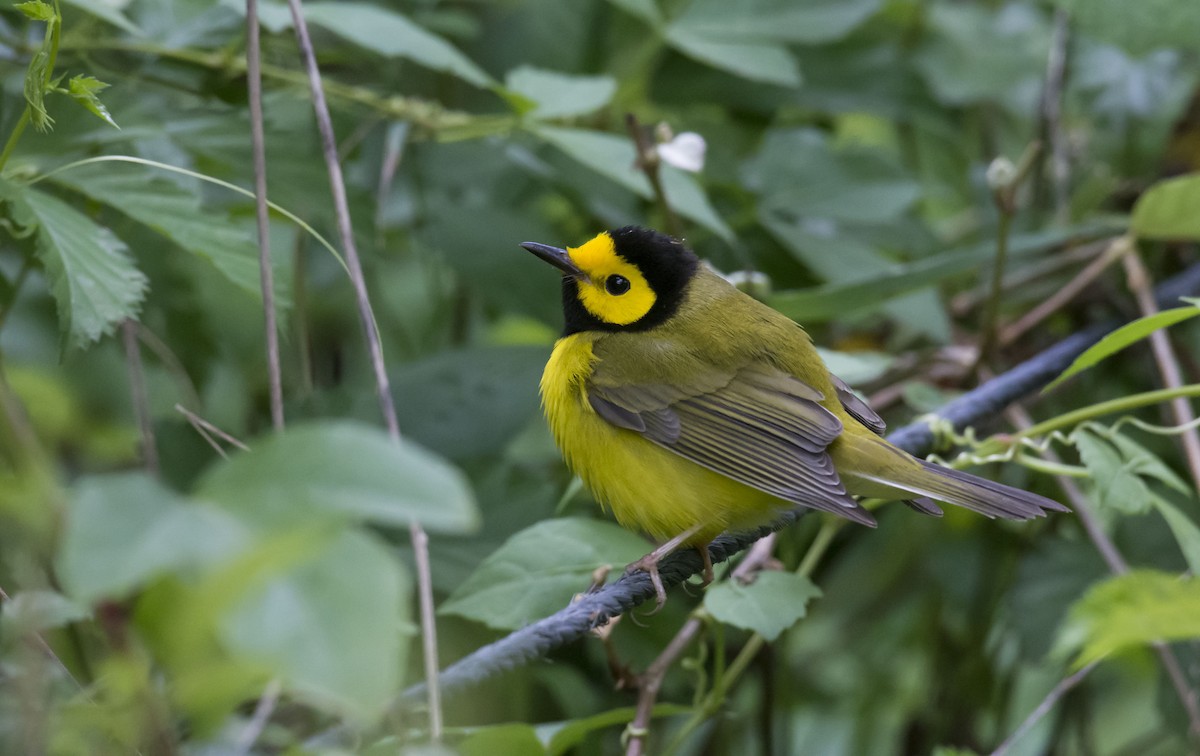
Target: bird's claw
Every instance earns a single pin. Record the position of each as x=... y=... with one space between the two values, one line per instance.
x=649 y=565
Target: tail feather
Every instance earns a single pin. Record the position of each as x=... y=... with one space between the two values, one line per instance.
x=978 y=494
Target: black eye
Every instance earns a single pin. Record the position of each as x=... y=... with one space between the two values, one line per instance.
x=616 y=285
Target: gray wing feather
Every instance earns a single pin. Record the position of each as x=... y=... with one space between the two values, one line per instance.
x=766 y=430
x=858 y=409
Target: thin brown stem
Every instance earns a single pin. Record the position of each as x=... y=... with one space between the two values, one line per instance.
x=258 y=721
x=137 y=392
x=647 y=161
x=1048 y=703
x=1118 y=566
x=203 y=427
x=266 y=273
x=1004 y=194
x=1065 y=294
x=371 y=332
x=651 y=680
x=420 y=543
x=45 y=648
x=1168 y=363
x=337 y=186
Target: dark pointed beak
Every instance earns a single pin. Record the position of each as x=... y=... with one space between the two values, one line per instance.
x=556 y=257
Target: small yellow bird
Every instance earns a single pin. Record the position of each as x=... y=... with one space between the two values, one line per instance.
x=690 y=408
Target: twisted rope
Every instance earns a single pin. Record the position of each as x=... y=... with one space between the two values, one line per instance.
x=595 y=609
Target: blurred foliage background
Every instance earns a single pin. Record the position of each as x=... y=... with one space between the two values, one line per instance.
x=206 y=600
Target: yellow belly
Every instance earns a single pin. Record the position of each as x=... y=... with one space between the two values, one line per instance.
x=647 y=487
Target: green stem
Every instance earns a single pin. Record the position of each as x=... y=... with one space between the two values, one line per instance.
x=22 y=274
x=1123 y=404
x=993 y=301
x=14 y=137
x=423 y=113
x=716 y=697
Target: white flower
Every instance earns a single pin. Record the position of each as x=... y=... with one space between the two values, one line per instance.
x=685 y=152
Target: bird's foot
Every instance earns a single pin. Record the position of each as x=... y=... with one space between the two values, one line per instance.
x=649 y=565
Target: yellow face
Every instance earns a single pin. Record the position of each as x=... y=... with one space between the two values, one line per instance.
x=615 y=291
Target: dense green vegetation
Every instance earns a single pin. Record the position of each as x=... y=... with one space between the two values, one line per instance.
x=871 y=162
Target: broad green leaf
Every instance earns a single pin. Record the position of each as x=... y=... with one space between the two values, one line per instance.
x=559 y=95
x=92 y=277
x=83 y=90
x=333 y=629
x=537 y=571
x=37 y=10
x=808 y=21
x=565 y=736
x=1142 y=461
x=976 y=54
x=176 y=214
x=763 y=61
x=837 y=300
x=646 y=10
x=110 y=11
x=1128 y=334
x=1167 y=210
x=862 y=185
x=614 y=157
x=856 y=367
x=1134 y=609
x=1185 y=530
x=124 y=530
x=1139 y=28
x=768 y=606
x=391 y=34
x=1117 y=485
x=34 y=611
x=469 y=403
x=502 y=740
x=342 y=470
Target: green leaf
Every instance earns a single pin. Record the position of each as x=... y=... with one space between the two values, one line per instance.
x=342 y=470
x=614 y=157
x=976 y=54
x=124 y=530
x=537 y=571
x=762 y=61
x=110 y=11
x=1117 y=485
x=472 y=401
x=810 y=21
x=228 y=246
x=1124 y=336
x=559 y=95
x=1185 y=530
x=1141 y=607
x=1139 y=28
x=92 y=277
x=333 y=629
x=835 y=300
x=83 y=90
x=1167 y=210
x=35 y=90
x=646 y=10
x=856 y=367
x=565 y=736
x=391 y=34
x=37 y=10
x=502 y=740
x=861 y=185
x=35 y=611
x=768 y=606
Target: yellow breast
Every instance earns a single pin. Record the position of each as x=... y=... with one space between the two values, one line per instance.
x=647 y=487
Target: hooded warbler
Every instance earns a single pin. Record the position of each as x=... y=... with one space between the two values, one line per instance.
x=690 y=408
